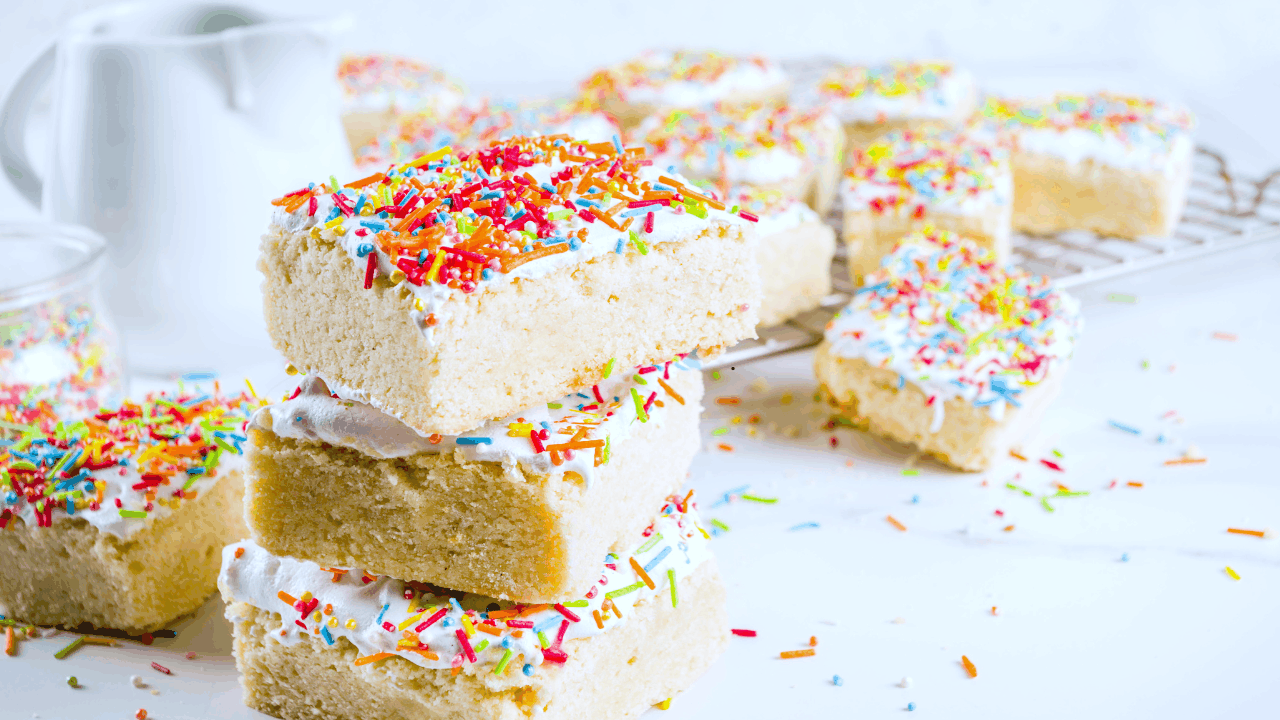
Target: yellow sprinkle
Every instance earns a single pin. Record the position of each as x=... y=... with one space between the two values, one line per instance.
x=664 y=705
x=351 y=624
x=410 y=621
x=466 y=625
x=1232 y=573
x=306 y=596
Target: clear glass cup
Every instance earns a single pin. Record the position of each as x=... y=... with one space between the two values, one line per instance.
x=59 y=351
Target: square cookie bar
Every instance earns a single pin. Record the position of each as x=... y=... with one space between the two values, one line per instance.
x=377 y=89
x=521 y=508
x=348 y=645
x=907 y=180
x=118 y=520
x=794 y=248
x=659 y=81
x=462 y=288
x=767 y=147
x=948 y=352
x=1113 y=164
x=871 y=100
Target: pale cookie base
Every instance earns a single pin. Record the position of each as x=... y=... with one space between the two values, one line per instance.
x=656 y=653
x=870 y=236
x=1051 y=195
x=629 y=115
x=510 y=345
x=969 y=439
x=364 y=126
x=472 y=526
x=795 y=270
x=71 y=573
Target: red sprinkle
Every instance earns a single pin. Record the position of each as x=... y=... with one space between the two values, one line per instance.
x=743 y=633
x=161 y=668
x=1052 y=465
x=369 y=269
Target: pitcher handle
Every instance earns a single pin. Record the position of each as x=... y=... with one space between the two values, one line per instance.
x=13 y=126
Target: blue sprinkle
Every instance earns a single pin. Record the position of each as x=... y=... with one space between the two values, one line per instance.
x=475 y=441
x=384 y=612
x=911 y=707
x=575 y=243
x=546 y=425
x=547 y=624
x=324 y=632
x=1126 y=428
x=199 y=376
x=619 y=247
x=805 y=526
x=837 y=680
x=617 y=144
x=915 y=499
x=901 y=381
x=363 y=250
x=485 y=274
x=1124 y=557
x=657 y=559
x=447 y=622
x=529 y=669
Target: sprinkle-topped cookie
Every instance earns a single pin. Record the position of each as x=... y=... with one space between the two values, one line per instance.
x=437 y=628
x=475 y=125
x=947 y=171
x=1120 y=130
x=574 y=435
x=378 y=82
x=897 y=90
x=451 y=222
x=684 y=79
x=945 y=317
x=733 y=144
x=120 y=467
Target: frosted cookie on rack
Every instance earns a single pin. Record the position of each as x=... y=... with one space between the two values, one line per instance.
x=476 y=124
x=117 y=520
x=947 y=351
x=347 y=644
x=523 y=507
x=1114 y=164
x=794 y=248
x=464 y=287
x=766 y=147
x=872 y=100
x=659 y=81
x=377 y=88
x=907 y=180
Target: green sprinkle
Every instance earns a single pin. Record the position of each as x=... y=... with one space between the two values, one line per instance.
x=639 y=401
x=639 y=379
x=502 y=664
x=608 y=367
x=64 y=652
x=211 y=460
x=624 y=591
x=576 y=603
x=720 y=431
x=910 y=471
x=1022 y=490
x=1044 y=500
x=542 y=638
x=132 y=514
x=696 y=209
x=1122 y=297
x=483 y=644
x=756 y=498
x=649 y=544
x=671 y=580
x=554 y=406
x=1056 y=453
x=333 y=184
x=715 y=374
x=635 y=239
x=225 y=445
x=607 y=448
x=719 y=524
x=73 y=682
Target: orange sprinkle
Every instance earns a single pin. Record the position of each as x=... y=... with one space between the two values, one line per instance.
x=1254 y=533
x=239 y=553
x=599 y=623
x=1008 y=528
x=643 y=575
x=807 y=652
x=421 y=651
x=1020 y=457
x=487 y=629
x=513 y=262
x=1131 y=483
x=10 y=641
x=286 y=598
x=728 y=400
x=674 y=395
x=725 y=447
x=376 y=177
x=1186 y=461
x=813 y=641
x=993 y=610
x=577 y=444
x=606 y=219
x=894 y=522
x=968 y=666
x=373 y=658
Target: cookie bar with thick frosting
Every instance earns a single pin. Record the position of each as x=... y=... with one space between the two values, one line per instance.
x=477 y=123
x=520 y=508
x=659 y=81
x=377 y=88
x=465 y=287
x=948 y=351
x=767 y=147
x=900 y=95
x=1117 y=165
x=794 y=248
x=352 y=644
x=115 y=520
x=906 y=180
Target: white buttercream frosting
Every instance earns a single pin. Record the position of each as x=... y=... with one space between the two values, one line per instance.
x=898 y=91
x=686 y=79
x=372 y=83
x=435 y=628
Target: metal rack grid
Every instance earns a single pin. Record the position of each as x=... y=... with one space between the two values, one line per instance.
x=1223 y=212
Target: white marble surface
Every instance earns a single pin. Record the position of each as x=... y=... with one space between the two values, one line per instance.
x=1079 y=632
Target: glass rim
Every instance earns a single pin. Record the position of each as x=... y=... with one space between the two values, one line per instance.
x=88 y=243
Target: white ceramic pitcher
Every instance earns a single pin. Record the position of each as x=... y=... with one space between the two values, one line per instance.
x=172 y=127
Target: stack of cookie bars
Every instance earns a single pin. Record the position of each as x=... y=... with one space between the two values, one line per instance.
x=471 y=506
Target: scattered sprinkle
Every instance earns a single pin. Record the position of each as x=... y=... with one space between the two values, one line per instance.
x=755 y=498
x=788 y=654
x=969 y=666
x=1254 y=533
x=910 y=472
x=804 y=526
x=837 y=680
x=1231 y=573
x=741 y=632
x=1126 y=428
x=1225 y=336
x=894 y=522
x=1122 y=298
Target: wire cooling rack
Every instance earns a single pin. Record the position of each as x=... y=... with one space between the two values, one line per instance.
x=1223 y=212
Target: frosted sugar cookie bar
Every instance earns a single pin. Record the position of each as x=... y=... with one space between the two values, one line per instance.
x=376 y=89
x=464 y=287
x=1114 y=164
x=519 y=508
x=347 y=644
x=945 y=350
x=907 y=180
x=117 y=520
